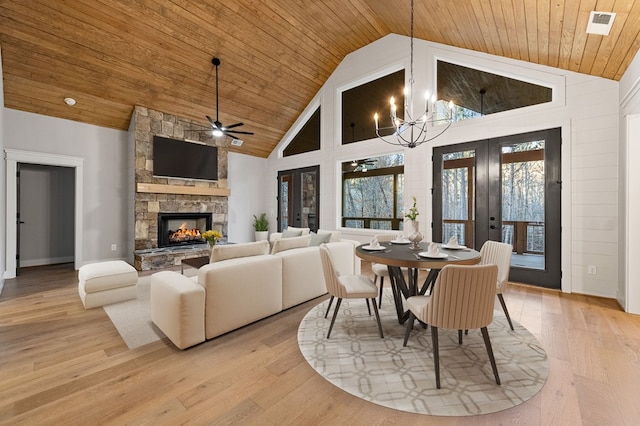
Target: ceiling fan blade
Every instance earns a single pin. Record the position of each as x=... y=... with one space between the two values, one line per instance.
x=238 y=132
x=213 y=123
x=234 y=125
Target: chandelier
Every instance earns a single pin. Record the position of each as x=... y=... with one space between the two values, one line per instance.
x=415 y=130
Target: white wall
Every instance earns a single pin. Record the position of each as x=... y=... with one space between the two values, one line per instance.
x=108 y=184
x=584 y=107
x=629 y=173
x=104 y=191
x=246 y=180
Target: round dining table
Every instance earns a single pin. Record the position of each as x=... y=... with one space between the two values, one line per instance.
x=398 y=256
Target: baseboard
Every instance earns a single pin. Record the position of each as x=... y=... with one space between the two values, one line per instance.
x=49 y=261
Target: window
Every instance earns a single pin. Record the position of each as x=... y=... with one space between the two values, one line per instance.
x=476 y=93
x=307 y=139
x=360 y=103
x=372 y=192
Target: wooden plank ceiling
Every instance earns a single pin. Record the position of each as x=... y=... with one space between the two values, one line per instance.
x=113 y=54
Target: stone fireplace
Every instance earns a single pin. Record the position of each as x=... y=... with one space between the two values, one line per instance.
x=157 y=196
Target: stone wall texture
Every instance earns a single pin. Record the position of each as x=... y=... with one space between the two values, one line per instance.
x=149 y=123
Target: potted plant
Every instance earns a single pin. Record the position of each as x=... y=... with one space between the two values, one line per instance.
x=261 y=226
x=212 y=237
x=411 y=224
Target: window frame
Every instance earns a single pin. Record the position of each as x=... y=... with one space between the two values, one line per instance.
x=398 y=216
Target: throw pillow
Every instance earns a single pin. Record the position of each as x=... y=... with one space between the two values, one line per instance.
x=305 y=231
x=231 y=251
x=289 y=233
x=290 y=243
x=317 y=239
x=335 y=235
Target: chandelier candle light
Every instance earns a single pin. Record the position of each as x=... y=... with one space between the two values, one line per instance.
x=413 y=131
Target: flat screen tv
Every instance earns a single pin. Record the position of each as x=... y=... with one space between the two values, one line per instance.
x=186 y=160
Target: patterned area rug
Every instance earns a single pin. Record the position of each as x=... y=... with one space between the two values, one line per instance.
x=384 y=372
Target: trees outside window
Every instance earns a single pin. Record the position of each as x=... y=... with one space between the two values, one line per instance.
x=372 y=192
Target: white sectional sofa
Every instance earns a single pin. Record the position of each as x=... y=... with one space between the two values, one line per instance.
x=242 y=284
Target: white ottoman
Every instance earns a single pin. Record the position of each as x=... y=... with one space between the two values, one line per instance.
x=104 y=283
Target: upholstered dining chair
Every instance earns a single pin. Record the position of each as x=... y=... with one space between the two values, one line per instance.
x=496 y=253
x=347 y=287
x=462 y=299
x=379 y=270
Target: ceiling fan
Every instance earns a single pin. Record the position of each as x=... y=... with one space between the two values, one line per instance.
x=218 y=129
x=359 y=165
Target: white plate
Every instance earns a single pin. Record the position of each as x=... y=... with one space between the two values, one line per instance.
x=373 y=248
x=400 y=242
x=445 y=246
x=432 y=256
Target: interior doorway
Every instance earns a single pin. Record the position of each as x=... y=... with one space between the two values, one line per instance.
x=45 y=215
x=504 y=189
x=15 y=157
x=298 y=198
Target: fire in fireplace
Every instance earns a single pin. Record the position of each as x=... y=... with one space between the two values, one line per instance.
x=177 y=229
x=185 y=235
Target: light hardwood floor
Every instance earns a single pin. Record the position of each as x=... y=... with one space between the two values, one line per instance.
x=61 y=364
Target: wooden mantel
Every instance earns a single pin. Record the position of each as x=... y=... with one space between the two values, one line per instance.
x=180 y=189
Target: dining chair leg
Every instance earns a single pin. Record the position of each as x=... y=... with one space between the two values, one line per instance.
x=504 y=308
x=368 y=306
x=459 y=337
x=381 y=288
x=487 y=343
x=375 y=309
x=436 y=354
x=335 y=314
x=409 y=327
x=328 y=307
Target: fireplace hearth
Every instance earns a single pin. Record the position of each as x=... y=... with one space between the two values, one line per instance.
x=182 y=229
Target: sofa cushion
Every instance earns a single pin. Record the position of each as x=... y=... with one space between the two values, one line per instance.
x=101 y=276
x=290 y=243
x=240 y=291
x=232 y=251
x=317 y=239
x=291 y=233
x=302 y=275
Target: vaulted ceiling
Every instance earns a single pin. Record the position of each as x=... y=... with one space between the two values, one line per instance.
x=111 y=55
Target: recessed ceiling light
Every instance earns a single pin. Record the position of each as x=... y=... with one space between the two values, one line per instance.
x=70 y=101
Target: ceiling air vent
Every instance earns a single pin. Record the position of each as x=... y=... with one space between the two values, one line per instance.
x=236 y=142
x=600 y=22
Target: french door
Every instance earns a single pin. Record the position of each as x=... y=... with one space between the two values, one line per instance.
x=504 y=189
x=298 y=198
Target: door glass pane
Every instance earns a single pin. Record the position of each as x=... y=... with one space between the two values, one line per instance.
x=523 y=202
x=284 y=201
x=308 y=198
x=458 y=195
